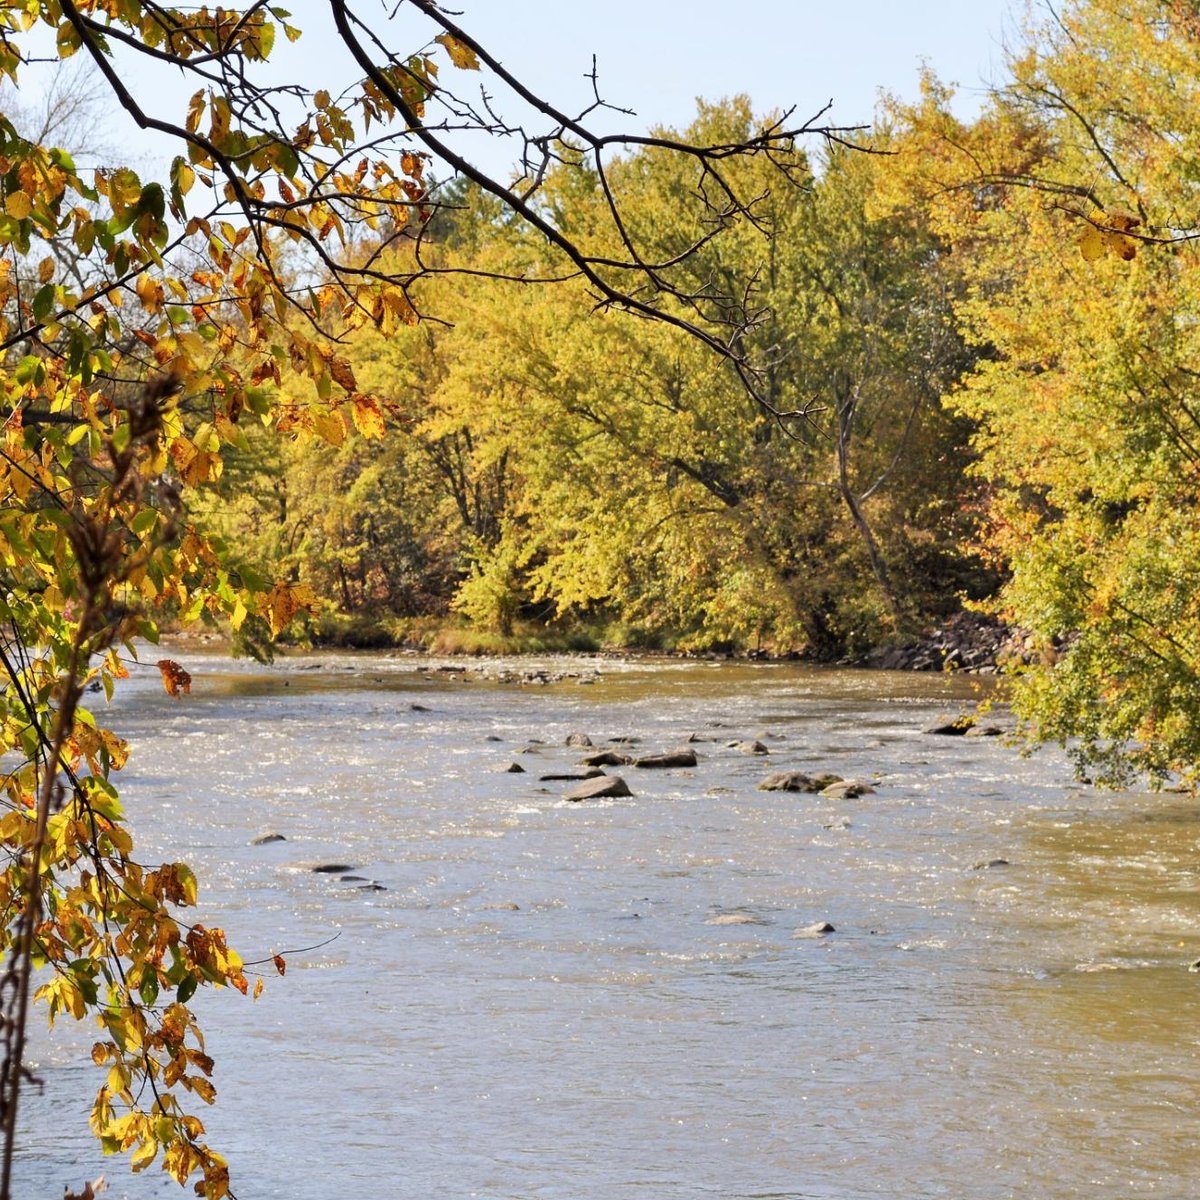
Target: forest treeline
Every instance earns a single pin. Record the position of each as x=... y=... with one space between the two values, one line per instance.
x=977 y=361
x=559 y=467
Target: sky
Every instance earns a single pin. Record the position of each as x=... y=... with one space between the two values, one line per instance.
x=657 y=56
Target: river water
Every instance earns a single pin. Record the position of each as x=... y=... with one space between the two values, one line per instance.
x=551 y=1001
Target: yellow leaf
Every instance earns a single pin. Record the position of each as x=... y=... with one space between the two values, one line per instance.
x=461 y=55
x=1091 y=244
x=18 y=205
x=46 y=270
x=283 y=602
x=150 y=292
x=368 y=418
x=329 y=427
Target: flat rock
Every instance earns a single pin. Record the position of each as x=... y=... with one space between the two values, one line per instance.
x=265 y=839
x=672 y=758
x=579 y=739
x=847 y=789
x=332 y=868
x=599 y=786
x=753 y=747
x=419 y=708
x=493 y=737
x=984 y=731
x=815 y=930
x=789 y=781
x=606 y=758
x=735 y=919
x=570 y=776
x=991 y=862
x=959 y=727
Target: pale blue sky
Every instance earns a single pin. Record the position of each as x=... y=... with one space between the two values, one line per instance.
x=657 y=56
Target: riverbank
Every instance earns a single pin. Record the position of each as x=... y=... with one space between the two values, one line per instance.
x=967 y=642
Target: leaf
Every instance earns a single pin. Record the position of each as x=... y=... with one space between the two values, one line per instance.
x=280 y=963
x=175 y=679
x=461 y=55
x=1091 y=244
x=18 y=205
x=283 y=602
x=368 y=418
x=343 y=374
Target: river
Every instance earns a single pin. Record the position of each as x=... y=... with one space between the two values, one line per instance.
x=552 y=1001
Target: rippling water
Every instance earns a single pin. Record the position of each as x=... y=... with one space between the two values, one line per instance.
x=543 y=1002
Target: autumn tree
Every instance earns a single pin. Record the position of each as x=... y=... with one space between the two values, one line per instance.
x=1070 y=206
x=153 y=329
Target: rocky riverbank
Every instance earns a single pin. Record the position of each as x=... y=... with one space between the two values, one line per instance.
x=973 y=643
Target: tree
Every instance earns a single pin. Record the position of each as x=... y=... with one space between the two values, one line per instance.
x=1071 y=208
x=145 y=325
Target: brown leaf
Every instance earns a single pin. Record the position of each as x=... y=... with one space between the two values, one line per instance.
x=175 y=679
x=280 y=963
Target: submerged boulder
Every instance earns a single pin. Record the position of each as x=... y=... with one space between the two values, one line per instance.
x=815 y=930
x=579 y=739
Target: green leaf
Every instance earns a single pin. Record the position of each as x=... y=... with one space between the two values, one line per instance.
x=43 y=302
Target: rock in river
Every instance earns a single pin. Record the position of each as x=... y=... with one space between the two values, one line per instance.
x=847 y=789
x=514 y=769
x=815 y=930
x=601 y=785
x=797 y=781
x=959 y=727
x=266 y=839
x=673 y=758
x=754 y=747
x=605 y=758
x=579 y=739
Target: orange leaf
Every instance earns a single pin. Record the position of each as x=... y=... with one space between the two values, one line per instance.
x=280 y=964
x=175 y=678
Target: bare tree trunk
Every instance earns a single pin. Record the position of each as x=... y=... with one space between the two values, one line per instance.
x=847 y=403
